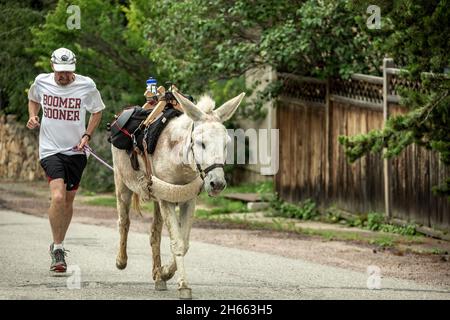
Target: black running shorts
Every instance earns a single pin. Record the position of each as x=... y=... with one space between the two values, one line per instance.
x=69 y=168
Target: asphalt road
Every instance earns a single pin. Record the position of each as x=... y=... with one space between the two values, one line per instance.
x=214 y=272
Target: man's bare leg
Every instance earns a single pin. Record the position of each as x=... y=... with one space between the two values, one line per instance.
x=70 y=196
x=59 y=218
x=60 y=214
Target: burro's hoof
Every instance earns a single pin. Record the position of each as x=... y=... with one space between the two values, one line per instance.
x=185 y=293
x=160 y=285
x=121 y=265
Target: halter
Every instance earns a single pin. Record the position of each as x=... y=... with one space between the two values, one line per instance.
x=203 y=172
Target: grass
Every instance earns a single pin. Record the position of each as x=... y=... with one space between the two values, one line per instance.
x=332 y=235
x=308 y=210
x=221 y=205
x=102 y=201
x=86 y=192
x=260 y=187
x=438 y=251
x=279 y=224
x=384 y=241
x=305 y=210
x=20 y=192
x=202 y=213
x=110 y=201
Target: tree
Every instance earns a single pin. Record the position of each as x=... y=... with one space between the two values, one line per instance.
x=17 y=63
x=203 y=40
x=199 y=39
x=418 y=37
x=105 y=50
x=201 y=44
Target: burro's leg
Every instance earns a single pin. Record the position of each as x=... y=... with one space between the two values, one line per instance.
x=168 y=270
x=155 y=243
x=123 y=198
x=177 y=246
x=186 y=218
x=187 y=210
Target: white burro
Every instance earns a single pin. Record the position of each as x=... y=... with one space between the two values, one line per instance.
x=189 y=157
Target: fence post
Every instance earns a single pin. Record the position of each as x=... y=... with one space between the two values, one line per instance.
x=327 y=141
x=387 y=63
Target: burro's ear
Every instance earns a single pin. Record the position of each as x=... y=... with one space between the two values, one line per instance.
x=226 y=111
x=189 y=108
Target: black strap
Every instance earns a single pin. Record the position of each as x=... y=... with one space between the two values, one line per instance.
x=212 y=167
x=203 y=172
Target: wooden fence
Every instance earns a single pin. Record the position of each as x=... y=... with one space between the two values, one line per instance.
x=312 y=114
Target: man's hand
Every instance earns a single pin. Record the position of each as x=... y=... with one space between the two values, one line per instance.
x=82 y=143
x=33 y=122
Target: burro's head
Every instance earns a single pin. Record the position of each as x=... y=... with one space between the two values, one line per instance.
x=209 y=138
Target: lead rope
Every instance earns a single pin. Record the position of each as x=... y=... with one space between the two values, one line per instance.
x=148 y=164
x=88 y=151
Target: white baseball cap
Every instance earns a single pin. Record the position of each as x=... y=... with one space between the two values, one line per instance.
x=63 y=60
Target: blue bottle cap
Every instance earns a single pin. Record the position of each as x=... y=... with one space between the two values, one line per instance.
x=151 y=81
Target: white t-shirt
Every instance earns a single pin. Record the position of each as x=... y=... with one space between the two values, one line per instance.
x=64 y=111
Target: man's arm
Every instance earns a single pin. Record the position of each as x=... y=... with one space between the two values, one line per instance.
x=33 y=111
x=94 y=121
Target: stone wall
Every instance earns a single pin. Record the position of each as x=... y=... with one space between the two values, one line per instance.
x=19 y=151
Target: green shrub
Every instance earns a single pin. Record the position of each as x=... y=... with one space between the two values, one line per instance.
x=305 y=210
x=332 y=215
x=374 y=221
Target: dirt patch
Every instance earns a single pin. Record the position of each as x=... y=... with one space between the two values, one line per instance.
x=428 y=269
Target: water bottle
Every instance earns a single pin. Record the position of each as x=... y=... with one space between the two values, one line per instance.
x=151 y=88
x=150 y=94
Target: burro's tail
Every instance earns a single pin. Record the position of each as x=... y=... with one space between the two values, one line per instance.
x=136 y=203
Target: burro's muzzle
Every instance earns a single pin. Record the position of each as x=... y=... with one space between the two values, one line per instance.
x=214 y=182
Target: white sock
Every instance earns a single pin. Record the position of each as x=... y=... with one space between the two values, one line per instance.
x=58 y=246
